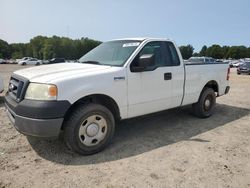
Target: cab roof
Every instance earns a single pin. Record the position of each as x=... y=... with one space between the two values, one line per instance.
x=141 y=39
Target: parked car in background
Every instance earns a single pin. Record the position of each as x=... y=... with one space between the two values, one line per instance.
x=23 y=59
x=244 y=68
x=71 y=61
x=11 y=61
x=219 y=60
x=230 y=63
x=30 y=61
x=2 y=61
x=56 y=60
x=236 y=63
x=201 y=60
x=8 y=61
x=1 y=84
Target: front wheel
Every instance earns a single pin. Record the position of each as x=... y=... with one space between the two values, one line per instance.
x=205 y=106
x=89 y=129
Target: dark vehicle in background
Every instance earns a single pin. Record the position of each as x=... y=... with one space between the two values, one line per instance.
x=56 y=60
x=244 y=68
x=8 y=61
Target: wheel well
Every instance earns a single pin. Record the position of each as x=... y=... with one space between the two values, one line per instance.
x=213 y=85
x=104 y=100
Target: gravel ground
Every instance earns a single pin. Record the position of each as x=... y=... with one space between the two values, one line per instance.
x=167 y=149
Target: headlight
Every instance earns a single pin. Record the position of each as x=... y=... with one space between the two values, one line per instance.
x=37 y=91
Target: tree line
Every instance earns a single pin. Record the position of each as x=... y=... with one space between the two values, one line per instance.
x=216 y=51
x=43 y=47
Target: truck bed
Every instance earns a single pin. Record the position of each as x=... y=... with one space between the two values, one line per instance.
x=197 y=75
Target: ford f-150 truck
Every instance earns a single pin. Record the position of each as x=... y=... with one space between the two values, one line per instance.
x=117 y=80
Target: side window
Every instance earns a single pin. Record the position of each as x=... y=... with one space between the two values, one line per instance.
x=174 y=58
x=157 y=49
x=164 y=52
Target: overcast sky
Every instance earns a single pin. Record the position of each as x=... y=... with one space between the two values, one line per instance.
x=196 y=22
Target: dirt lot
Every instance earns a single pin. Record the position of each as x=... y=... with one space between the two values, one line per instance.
x=167 y=149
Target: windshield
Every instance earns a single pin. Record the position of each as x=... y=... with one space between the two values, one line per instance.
x=246 y=64
x=113 y=53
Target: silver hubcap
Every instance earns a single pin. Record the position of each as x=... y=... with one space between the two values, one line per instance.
x=207 y=103
x=93 y=130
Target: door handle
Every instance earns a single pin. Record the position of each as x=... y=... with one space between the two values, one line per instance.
x=168 y=76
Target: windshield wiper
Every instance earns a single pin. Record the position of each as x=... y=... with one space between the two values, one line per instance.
x=91 y=62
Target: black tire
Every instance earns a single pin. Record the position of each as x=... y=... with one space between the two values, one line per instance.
x=37 y=64
x=77 y=119
x=204 y=108
x=238 y=73
x=24 y=64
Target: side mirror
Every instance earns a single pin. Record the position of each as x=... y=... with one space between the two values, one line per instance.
x=144 y=61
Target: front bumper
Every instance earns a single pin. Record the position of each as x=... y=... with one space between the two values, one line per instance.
x=35 y=127
x=37 y=118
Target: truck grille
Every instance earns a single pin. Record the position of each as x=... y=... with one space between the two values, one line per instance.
x=17 y=87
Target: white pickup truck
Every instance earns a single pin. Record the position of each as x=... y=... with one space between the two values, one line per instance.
x=117 y=80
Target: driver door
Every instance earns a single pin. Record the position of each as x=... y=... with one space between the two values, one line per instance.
x=151 y=89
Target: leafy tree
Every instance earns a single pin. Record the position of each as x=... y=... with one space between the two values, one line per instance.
x=43 y=47
x=225 y=50
x=48 y=49
x=186 y=51
x=37 y=46
x=5 y=51
x=243 y=51
x=203 y=51
x=196 y=54
x=19 y=50
x=215 y=51
x=237 y=52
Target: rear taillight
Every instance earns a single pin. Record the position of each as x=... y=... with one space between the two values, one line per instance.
x=228 y=73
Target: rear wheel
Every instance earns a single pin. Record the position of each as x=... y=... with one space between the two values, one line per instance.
x=89 y=129
x=205 y=106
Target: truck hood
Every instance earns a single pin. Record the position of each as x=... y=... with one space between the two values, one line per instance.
x=48 y=73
